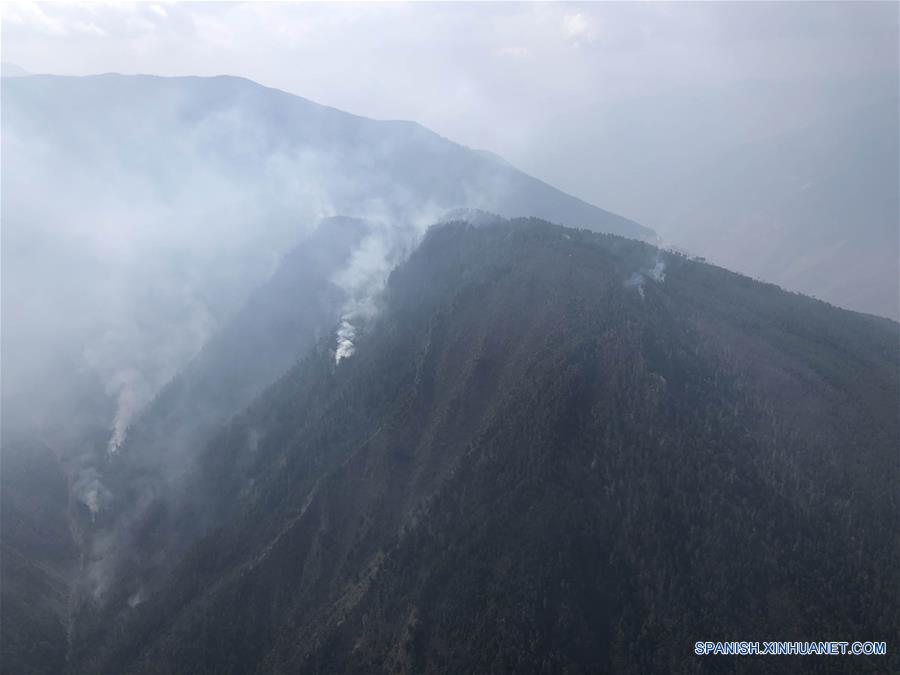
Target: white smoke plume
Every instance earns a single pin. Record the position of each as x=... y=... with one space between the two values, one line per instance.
x=133 y=264
x=136 y=598
x=345 y=335
x=362 y=281
x=88 y=490
x=656 y=273
x=132 y=393
x=394 y=233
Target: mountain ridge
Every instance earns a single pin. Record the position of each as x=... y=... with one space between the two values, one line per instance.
x=237 y=83
x=377 y=504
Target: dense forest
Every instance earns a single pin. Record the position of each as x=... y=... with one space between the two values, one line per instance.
x=435 y=338
x=552 y=451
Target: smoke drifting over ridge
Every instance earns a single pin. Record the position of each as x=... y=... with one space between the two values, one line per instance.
x=361 y=281
x=161 y=238
x=173 y=200
x=365 y=276
x=196 y=188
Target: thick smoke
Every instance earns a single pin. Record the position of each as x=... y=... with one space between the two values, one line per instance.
x=135 y=262
x=394 y=233
x=658 y=273
x=90 y=491
x=345 y=336
x=132 y=394
x=168 y=208
x=362 y=282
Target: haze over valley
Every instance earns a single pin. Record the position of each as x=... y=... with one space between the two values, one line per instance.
x=523 y=338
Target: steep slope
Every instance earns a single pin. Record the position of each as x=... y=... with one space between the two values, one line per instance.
x=140 y=212
x=135 y=512
x=546 y=455
x=172 y=199
x=41 y=472
x=297 y=306
x=74 y=518
x=38 y=557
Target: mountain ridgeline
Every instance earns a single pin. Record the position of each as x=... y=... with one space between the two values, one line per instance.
x=552 y=451
x=263 y=142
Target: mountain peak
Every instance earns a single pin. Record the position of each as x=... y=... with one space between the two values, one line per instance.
x=516 y=434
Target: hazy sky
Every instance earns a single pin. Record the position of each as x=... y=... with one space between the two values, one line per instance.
x=506 y=77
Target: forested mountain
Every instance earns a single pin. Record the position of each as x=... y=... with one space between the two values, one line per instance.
x=142 y=211
x=551 y=451
x=39 y=558
x=289 y=389
x=527 y=448
x=72 y=519
x=139 y=215
x=297 y=306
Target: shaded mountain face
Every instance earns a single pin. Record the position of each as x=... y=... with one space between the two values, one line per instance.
x=551 y=451
x=299 y=305
x=75 y=517
x=38 y=558
x=138 y=510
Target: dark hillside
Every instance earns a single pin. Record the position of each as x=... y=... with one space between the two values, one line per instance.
x=548 y=454
x=149 y=510
x=38 y=557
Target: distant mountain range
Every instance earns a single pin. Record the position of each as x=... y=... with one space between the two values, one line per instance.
x=792 y=182
x=241 y=128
